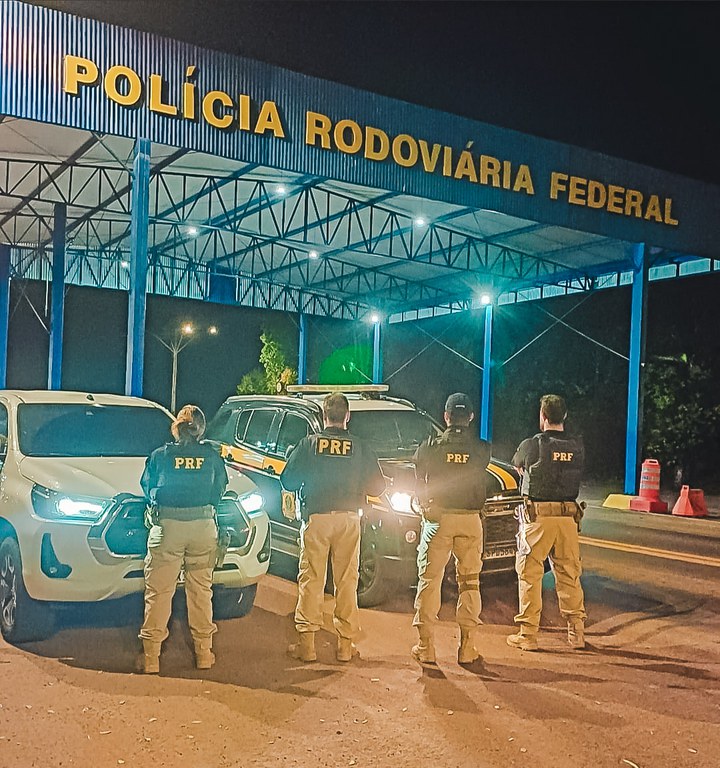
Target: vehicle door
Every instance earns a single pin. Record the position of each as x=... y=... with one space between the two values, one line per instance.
x=255 y=435
x=293 y=428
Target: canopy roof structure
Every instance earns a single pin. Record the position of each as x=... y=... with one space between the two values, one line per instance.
x=138 y=163
x=284 y=240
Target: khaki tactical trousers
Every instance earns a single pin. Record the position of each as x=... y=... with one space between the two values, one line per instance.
x=170 y=544
x=556 y=537
x=461 y=536
x=338 y=535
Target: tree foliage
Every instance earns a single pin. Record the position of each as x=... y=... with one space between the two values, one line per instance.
x=682 y=416
x=274 y=374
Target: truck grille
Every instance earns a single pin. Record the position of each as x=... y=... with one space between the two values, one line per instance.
x=500 y=528
x=127 y=535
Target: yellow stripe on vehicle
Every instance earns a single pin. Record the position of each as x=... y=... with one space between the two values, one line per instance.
x=277 y=464
x=508 y=482
x=242 y=456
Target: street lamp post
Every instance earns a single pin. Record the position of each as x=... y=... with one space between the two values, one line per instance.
x=183 y=337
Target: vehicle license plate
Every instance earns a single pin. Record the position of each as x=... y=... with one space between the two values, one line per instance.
x=500 y=552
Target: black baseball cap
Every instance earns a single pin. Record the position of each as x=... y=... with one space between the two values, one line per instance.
x=458 y=403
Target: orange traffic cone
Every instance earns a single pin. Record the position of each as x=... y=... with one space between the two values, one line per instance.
x=691 y=503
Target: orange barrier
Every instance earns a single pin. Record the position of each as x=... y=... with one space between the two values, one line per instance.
x=649 y=498
x=691 y=503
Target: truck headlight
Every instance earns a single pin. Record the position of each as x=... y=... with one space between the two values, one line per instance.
x=252 y=502
x=52 y=505
x=401 y=502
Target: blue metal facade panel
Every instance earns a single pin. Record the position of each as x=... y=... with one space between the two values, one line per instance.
x=34 y=42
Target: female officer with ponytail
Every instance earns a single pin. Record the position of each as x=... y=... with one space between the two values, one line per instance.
x=184 y=482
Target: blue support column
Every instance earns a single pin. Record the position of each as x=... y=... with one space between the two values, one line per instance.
x=486 y=405
x=4 y=310
x=302 y=350
x=57 y=306
x=138 y=267
x=377 y=353
x=638 y=315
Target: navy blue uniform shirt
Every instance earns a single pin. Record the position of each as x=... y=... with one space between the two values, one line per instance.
x=336 y=470
x=450 y=470
x=184 y=475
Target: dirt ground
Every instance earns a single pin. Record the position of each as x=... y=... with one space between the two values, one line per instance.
x=644 y=694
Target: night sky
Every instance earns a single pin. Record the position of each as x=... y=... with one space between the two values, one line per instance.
x=634 y=80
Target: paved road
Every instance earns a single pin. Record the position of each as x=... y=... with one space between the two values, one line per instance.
x=646 y=693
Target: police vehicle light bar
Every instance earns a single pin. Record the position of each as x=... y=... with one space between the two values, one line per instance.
x=350 y=388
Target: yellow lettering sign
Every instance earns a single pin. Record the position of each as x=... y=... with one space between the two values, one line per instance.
x=429 y=157
x=116 y=75
x=317 y=128
x=348 y=136
x=269 y=120
x=612 y=197
x=208 y=109
x=377 y=144
x=405 y=150
x=578 y=191
x=79 y=71
x=558 y=184
x=126 y=87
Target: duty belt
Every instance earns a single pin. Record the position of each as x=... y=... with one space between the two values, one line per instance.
x=454 y=511
x=206 y=512
x=537 y=509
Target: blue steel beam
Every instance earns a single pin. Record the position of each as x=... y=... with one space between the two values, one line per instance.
x=302 y=349
x=638 y=316
x=377 y=353
x=138 y=268
x=57 y=307
x=486 y=405
x=4 y=310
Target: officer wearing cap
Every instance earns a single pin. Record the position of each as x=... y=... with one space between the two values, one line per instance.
x=336 y=473
x=183 y=483
x=450 y=489
x=551 y=465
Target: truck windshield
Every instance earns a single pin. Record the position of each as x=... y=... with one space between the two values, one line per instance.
x=92 y=430
x=392 y=434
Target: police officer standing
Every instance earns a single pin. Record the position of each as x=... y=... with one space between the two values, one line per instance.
x=450 y=488
x=184 y=482
x=551 y=465
x=336 y=472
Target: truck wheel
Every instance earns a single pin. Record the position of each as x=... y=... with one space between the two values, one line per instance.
x=233 y=603
x=22 y=619
x=375 y=583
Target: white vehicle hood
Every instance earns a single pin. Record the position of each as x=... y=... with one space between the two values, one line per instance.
x=98 y=477
x=101 y=477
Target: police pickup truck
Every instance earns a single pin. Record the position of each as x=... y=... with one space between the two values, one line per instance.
x=257 y=432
